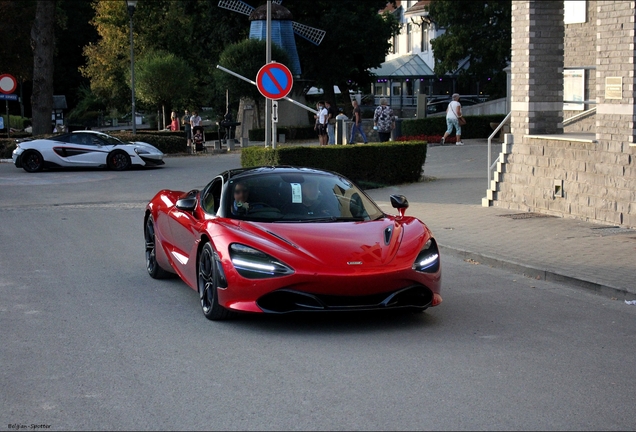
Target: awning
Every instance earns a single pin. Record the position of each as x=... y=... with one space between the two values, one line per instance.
x=408 y=66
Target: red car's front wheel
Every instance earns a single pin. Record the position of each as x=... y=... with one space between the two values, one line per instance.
x=207 y=282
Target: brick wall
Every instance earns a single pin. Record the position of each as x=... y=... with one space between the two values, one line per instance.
x=597 y=185
x=537 y=66
x=579 y=39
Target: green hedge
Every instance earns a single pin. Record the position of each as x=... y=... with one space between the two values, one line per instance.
x=6 y=147
x=476 y=126
x=16 y=122
x=168 y=142
x=375 y=165
x=291 y=133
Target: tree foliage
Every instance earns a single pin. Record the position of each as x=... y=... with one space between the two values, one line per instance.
x=161 y=79
x=357 y=38
x=108 y=60
x=477 y=30
x=199 y=32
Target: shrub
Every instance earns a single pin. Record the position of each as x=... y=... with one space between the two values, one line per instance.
x=378 y=164
x=16 y=122
x=476 y=126
x=6 y=147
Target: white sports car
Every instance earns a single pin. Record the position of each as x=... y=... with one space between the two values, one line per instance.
x=84 y=149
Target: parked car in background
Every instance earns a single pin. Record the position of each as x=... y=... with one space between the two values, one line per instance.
x=84 y=149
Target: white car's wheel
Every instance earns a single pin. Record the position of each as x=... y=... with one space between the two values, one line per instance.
x=32 y=161
x=118 y=160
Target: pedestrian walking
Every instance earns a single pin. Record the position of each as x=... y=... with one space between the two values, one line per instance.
x=454 y=119
x=356 y=117
x=383 y=120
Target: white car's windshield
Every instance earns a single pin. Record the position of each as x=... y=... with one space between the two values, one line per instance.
x=302 y=197
x=111 y=139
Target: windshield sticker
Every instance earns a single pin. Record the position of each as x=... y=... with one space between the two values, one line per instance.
x=297 y=196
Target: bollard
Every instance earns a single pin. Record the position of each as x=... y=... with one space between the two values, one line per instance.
x=340 y=131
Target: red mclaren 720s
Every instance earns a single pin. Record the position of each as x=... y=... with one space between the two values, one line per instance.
x=289 y=239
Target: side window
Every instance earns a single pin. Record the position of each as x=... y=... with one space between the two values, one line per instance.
x=212 y=199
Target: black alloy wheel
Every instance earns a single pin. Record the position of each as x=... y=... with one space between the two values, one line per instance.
x=118 y=161
x=32 y=161
x=207 y=282
x=154 y=269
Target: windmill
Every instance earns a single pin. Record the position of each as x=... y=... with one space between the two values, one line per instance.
x=283 y=28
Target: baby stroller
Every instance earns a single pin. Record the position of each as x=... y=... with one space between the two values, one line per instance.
x=198 y=137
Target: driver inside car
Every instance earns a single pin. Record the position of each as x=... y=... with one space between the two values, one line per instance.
x=241 y=205
x=241 y=199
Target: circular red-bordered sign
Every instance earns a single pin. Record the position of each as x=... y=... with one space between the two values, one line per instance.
x=8 y=84
x=274 y=80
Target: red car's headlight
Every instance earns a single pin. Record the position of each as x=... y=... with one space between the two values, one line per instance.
x=254 y=264
x=427 y=260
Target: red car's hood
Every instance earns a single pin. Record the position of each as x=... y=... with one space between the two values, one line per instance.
x=336 y=244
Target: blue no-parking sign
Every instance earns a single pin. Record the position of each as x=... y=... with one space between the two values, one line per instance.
x=274 y=80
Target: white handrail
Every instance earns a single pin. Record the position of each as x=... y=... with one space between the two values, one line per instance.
x=492 y=135
x=578 y=116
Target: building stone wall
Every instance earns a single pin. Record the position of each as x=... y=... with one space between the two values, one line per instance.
x=545 y=171
x=579 y=39
x=537 y=67
x=615 y=117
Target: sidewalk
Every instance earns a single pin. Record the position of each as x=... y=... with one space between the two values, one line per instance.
x=597 y=257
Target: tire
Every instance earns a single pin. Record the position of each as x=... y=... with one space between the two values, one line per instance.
x=207 y=283
x=118 y=161
x=154 y=269
x=32 y=161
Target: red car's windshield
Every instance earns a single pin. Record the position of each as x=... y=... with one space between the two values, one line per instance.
x=291 y=197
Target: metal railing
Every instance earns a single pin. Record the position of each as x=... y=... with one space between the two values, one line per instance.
x=492 y=135
x=578 y=116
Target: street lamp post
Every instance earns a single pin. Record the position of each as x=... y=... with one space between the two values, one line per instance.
x=131 y=10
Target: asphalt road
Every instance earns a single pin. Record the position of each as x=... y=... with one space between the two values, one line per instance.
x=89 y=341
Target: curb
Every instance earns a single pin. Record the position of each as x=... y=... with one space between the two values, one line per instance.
x=611 y=292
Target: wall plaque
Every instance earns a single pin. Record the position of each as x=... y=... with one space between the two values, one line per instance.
x=613 y=87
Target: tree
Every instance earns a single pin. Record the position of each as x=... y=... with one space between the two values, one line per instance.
x=108 y=60
x=477 y=30
x=357 y=38
x=190 y=29
x=43 y=44
x=162 y=78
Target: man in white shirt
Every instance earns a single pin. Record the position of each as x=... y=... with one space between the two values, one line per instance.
x=321 y=123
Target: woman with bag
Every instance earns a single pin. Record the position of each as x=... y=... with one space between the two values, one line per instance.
x=454 y=119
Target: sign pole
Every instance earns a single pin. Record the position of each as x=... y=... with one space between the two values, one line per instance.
x=8 y=120
x=268 y=59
